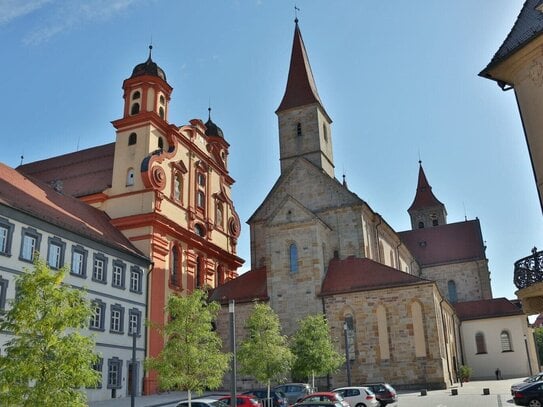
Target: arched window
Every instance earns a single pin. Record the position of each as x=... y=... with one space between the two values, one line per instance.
x=132 y=139
x=130 y=177
x=418 y=329
x=451 y=288
x=299 y=129
x=199 y=229
x=219 y=216
x=421 y=225
x=135 y=109
x=199 y=272
x=136 y=95
x=293 y=251
x=161 y=143
x=434 y=222
x=480 y=343
x=348 y=330
x=161 y=99
x=220 y=275
x=175 y=275
x=505 y=340
x=382 y=332
x=161 y=112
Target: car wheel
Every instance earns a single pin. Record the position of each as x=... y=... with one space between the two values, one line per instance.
x=535 y=403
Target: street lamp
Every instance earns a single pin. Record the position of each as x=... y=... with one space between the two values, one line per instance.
x=232 y=312
x=347 y=357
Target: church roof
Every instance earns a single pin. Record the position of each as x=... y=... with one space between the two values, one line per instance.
x=149 y=67
x=247 y=287
x=82 y=173
x=453 y=242
x=355 y=274
x=424 y=198
x=529 y=25
x=37 y=199
x=492 y=308
x=301 y=89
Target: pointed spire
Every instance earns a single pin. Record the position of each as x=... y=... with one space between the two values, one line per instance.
x=301 y=89
x=424 y=198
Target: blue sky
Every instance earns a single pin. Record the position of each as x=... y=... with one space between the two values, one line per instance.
x=399 y=80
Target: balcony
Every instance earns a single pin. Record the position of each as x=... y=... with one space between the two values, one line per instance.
x=528 y=278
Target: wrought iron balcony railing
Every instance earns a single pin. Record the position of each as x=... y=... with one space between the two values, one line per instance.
x=529 y=270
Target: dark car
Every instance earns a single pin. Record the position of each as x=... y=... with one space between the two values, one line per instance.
x=294 y=391
x=532 y=379
x=529 y=395
x=384 y=392
x=279 y=398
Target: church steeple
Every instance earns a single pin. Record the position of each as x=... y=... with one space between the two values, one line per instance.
x=304 y=125
x=426 y=210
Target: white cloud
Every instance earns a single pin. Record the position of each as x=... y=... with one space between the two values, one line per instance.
x=12 y=9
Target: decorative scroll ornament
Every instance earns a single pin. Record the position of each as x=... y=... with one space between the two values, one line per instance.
x=158 y=177
x=234 y=225
x=529 y=270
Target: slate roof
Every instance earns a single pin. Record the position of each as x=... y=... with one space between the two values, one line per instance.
x=82 y=173
x=528 y=26
x=424 y=197
x=481 y=309
x=301 y=88
x=37 y=199
x=355 y=274
x=453 y=242
x=247 y=287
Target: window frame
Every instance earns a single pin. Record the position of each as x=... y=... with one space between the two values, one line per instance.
x=98 y=366
x=103 y=258
x=116 y=363
x=79 y=250
x=98 y=304
x=8 y=238
x=33 y=234
x=58 y=243
x=508 y=343
x=137 y=313
x=135 y=270
x=114 y=308
x=293 y=258
x=480 y=344
x=122 y=266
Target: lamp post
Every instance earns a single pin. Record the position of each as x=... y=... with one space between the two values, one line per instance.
x=232 y=312
x=134 y=384
x=347 y=357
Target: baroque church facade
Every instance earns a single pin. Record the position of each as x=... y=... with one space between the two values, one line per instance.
x=316 y=247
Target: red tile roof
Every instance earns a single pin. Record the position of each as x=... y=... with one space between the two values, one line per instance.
x=37 y=199
x=424 y=198
x=301 y=89
x=82 y=173
x=480 y=309
x=454 y=242
x=247 y=287
x=361 y=274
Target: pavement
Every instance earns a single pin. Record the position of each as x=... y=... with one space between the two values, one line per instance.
x=469 y=394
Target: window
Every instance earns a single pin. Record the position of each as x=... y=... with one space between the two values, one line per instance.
x=201 y=180
x=3 y=292
x=421 y=225
x=136 y=95
x=97 y=366
x=117 y=319
x=480 y=343
x=135 y=109
x=435 y=222
x=97 y=317
x=160 y=143
x=117 y=278
x=134 y=321
x=6 y=232
x=132 y=139
x=99 y=268
x=200 y=230
x=161 y=112
x=201 y=199
x=177 y=186
x=55 y=253
x=135 y=279
x=161 y=99
x=293 y=250
x=505 y=340
x=200 y=192
x=199 y=272
x=30 y=244
x=114 y=373
x=451 y=288
x=219 y=216
x=130 y=177
x=348 y=327
x=175 y=267
x=299 y=129
x=79 y=261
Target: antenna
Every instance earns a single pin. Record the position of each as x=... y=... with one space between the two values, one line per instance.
x=22 y=158
x=465 y=215
x=77 y=146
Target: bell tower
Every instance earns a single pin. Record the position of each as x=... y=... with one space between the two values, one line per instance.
x=304 y=125
x=426 y=210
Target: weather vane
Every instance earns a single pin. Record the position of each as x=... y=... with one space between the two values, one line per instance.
x=296 y=9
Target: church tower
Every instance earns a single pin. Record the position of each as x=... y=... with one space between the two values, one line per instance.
x=304 y=125
x=426 y=210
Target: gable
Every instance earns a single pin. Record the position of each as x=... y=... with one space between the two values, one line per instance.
x=290 y=211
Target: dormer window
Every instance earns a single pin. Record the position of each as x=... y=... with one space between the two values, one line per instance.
x=132 y=139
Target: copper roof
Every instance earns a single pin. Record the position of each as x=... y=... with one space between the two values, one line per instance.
x=492 y=308
x=424 y=198
x=528 y=26
x=453 y=242
x=301 y=89
x=247 y=287
x=82 y=173
x=362 y=274
x=37 y=199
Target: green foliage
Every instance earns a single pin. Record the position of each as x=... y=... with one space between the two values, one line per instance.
x=538 y=336
x=464 y=372
x=191 y=359
x=47 y=360
x=264 y=354
x=313 y=348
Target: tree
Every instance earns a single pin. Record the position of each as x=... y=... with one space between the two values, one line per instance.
x=313 y=349
x=191 y=359
x=48 y=360
x=538 y=336
x=265 y=353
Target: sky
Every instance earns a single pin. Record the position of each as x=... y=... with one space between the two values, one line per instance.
x=398 y=78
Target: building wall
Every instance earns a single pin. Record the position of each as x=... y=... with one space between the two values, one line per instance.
x=113 y=346
x=521 y=361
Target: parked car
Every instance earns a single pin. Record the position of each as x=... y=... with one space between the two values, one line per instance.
x=202 y=402
x=242 y=400
x=294 y=391
x=531 y=394
x=358 y=396
x=532 y=379
x=278 y=397
x=384 y=392
x=323 y=396
x=320 y=404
